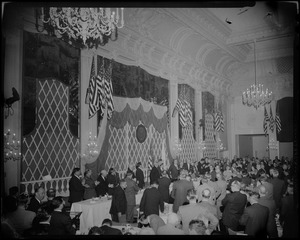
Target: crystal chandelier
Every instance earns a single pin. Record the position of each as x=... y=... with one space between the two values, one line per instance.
x=83 y=27
x=256 y=96
x=11 y=147
x=91 y=151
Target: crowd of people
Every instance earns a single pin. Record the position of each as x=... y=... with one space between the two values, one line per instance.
x=247 y=196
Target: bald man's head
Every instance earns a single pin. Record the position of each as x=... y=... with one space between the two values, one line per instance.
x=173 y=219
x=206 y=193
x=262 y=190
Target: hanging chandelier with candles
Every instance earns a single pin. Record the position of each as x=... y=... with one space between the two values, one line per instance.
x=82 y=27
x=255 y=95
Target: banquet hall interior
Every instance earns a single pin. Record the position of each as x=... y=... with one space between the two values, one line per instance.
x=97 y=89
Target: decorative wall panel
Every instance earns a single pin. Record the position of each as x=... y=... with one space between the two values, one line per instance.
x=50 y=148
x=188 y=145
x=210 y=141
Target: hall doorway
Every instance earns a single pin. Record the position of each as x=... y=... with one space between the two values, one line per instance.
x=252 y=145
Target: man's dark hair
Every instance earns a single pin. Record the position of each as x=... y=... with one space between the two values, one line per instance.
x=23 y=199
x=13 y=190
x=95 y=231
x=56 y=202
x=75 y=170
x=154 y=182
x=51 y=192
x=107 y=221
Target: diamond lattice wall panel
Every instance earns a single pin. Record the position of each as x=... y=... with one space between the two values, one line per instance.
x=50 y=148
x=210 y=142
x=188 y=145
x=125 y=149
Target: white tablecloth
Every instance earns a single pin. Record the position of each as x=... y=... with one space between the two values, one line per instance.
x=94 y=212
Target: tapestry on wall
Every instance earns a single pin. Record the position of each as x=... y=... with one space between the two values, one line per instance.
x=50 y=102
x=121 y=147
x=135 y=82
x=48 y=57
x=208 y=106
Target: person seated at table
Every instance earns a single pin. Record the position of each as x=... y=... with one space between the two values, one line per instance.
x=173 y=226
x=21 y=219
x=102 y=184
x=119 y=204
x=107 y=228
x=41 y=223
x=140 y=178
x=75 y=187
x=60 y=223
x=47 y=205
x=95 y=231
x=154 y=221
x=10 y=202
x=36 y=201
x=113 y=180
x=89 y=184
x=197 y=227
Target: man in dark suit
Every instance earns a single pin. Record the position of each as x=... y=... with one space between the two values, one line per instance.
x=60 y=223
x=155 y=173
x=102 y=184
x=234 y=204
x=36 y=200
x=279 y=188
x=119 y=203
x=255 y=217
x=152 y=200
x=130 y=192
x=108 y=230
x=140 y=178
x=188 y=166
x=10 y=202
x=163 y=186
x=75 y=186
x=180 y=190
x=201 y=167
x=270 y=204
x=173 y=171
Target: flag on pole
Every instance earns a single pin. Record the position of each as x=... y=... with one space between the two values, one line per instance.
x=217 y=121
x=94 y=104
x=221 y=122
x=277 y=119
x=266 y=120
x=109 y=91
x=271 y=124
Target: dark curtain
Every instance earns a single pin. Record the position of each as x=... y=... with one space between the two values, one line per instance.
x=285 y=106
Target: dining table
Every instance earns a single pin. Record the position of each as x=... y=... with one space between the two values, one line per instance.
x=94 y=211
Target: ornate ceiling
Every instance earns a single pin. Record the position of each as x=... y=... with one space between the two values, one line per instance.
x=209 y=48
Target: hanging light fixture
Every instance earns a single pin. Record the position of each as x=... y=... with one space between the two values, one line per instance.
x=84 y=27
x=256 y=96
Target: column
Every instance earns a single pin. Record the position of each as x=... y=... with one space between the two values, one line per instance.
x=173 y=86
x=198 y=113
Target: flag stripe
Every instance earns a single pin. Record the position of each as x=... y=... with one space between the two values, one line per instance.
x=266 y=120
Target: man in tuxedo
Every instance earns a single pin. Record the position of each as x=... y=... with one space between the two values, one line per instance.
x=173 y=171
x=279 y=188
x=130 y=192
x=255 y=217
x=102 y=186
x=163 y=186
x=36 y=200
x=107 y=229
x=270 y=204
x=188 y=166
x=152 y=200
x=60 y=223
x=180 y=190
x=140 y=178
x=75 y=186
x=119 y=203
x=155 y=173
x=234 y=204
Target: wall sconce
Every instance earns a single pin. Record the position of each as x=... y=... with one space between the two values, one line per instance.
x=220 y=146
x=201 y=145
x=11 y=147
x=177 y=147
x=9 y=102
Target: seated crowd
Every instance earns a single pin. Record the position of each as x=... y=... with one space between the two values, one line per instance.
x=242 y=196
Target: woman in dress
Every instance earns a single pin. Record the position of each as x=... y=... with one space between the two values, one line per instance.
x=89 y=184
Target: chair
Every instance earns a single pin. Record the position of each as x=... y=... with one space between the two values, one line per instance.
x=76 y=219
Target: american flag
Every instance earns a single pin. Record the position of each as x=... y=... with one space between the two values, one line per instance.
x=101 y=83
x=165 y=102
x=217 y=121
x=221 y=122
x=272 y=122
x=150 y=164
x=277 y=119
x=109 y=91
x=94 y=101
x=266 y=120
